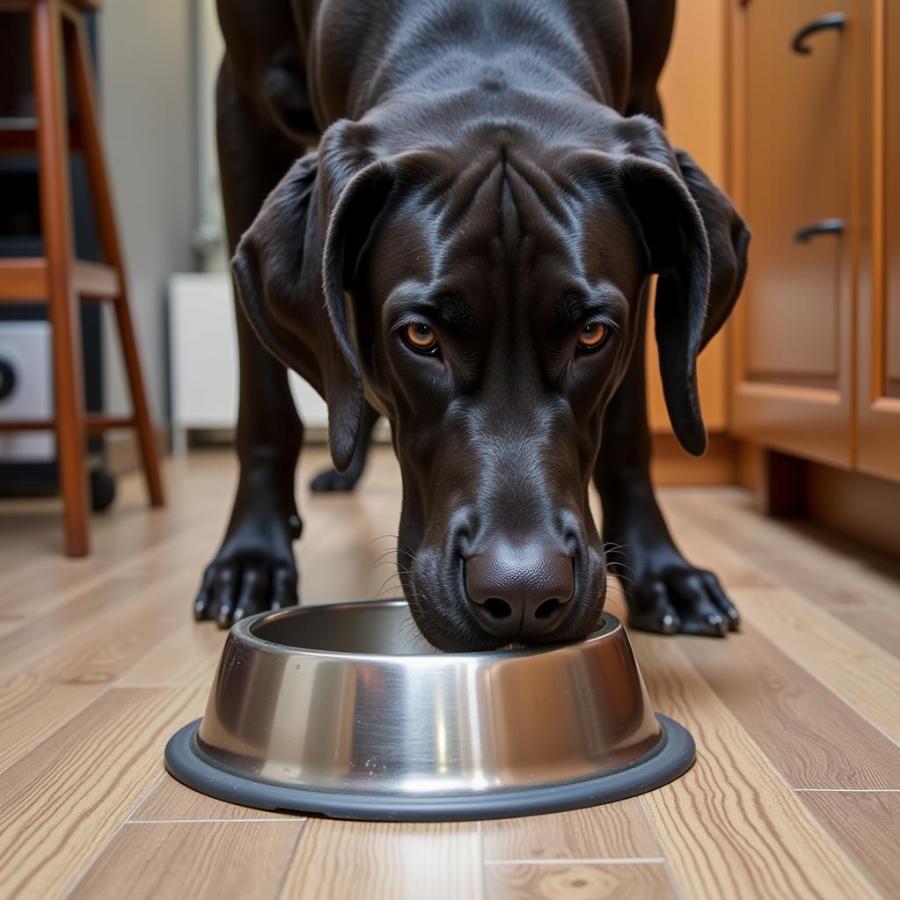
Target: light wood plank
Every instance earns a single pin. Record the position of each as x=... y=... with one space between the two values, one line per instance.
x=63 y=800
x=867 y=826
x=186 y=657
x=854 y=668
x=644 y=881
x=881 y=625
x=215 y=860
x=829 y=570
x=171 y=801
x=101 y=635
x=60 y=671
x=9 y=622
x=385 y=861
x=613 y=831
x=808 y=733
x=67 y=606
x=31 y=709
x=731 y=827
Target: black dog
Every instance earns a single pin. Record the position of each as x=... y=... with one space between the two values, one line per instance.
x=468 y=253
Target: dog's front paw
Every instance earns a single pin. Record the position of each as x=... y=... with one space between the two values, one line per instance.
x=667 y=595
x=253 y=571
x=681 y=600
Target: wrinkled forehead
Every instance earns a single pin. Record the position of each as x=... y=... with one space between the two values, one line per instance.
x=494 y=233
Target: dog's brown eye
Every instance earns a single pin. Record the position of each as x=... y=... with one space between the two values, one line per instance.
x=592 y=335
x=421 y=337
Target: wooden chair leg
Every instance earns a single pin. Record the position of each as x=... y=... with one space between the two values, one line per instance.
x=52 y=144
x=86 y=111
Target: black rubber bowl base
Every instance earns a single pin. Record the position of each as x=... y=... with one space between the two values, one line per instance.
x=187 y=762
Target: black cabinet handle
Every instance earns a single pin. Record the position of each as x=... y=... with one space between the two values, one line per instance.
x=835 y=21
x=823 y=226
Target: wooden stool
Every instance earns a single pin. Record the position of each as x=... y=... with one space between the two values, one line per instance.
x=57 y=278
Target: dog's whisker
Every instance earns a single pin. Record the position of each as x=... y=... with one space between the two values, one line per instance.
x=387 y=553
x=625 y=580
x=395 y=550
x=384 y=584
x=384 y=561
x=398 y=574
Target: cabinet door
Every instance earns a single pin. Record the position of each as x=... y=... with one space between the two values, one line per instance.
x=793 y=155
x=879 y=333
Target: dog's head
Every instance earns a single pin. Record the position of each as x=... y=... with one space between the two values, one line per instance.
x=483 y=292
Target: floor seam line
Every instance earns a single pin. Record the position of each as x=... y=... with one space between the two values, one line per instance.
x=847 y=790
x=615 y=861
x=277 y=894
x=101 y=850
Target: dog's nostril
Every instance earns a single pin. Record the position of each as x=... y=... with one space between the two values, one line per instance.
x=547 y=608
x=497 y=608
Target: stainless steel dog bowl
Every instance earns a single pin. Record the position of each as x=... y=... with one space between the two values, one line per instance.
x=347 y=711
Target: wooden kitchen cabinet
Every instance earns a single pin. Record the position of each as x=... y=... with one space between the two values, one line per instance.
x=795 y=152
x=878 y=407
x=810 y=362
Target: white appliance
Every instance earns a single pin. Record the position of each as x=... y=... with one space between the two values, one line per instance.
x=26 y=390
x=203 y=360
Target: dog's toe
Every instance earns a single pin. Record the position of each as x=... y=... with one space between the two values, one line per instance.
x=650 y=610
x=225 y=588
x=203 y=601
x=254 y=592
x=284 y=588
x=717 y=593
x=216 y=597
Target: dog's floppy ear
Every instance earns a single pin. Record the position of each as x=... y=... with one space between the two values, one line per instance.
x=728 y=237
x=677 y=250
x=296 y=260
x=697 y=244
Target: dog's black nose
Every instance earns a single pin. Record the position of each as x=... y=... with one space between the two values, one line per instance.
x=519 y=590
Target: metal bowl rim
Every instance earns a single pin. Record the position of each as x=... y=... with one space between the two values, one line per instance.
x=242 y=631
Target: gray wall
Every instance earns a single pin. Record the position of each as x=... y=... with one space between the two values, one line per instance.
x=147 y=90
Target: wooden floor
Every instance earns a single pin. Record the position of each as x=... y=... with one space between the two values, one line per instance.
x=796 y=791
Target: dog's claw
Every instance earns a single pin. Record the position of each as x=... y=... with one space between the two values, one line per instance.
x=650 y=610
x=670 y=623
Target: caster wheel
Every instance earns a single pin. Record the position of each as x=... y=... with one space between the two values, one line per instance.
x=103 y=489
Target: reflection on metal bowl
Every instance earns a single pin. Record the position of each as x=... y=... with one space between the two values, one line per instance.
x=347 y=711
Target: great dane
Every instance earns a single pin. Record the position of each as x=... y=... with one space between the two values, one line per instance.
x=468 y=252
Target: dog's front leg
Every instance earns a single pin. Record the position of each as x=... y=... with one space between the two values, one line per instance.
x=665 y=592
x=254 y=568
